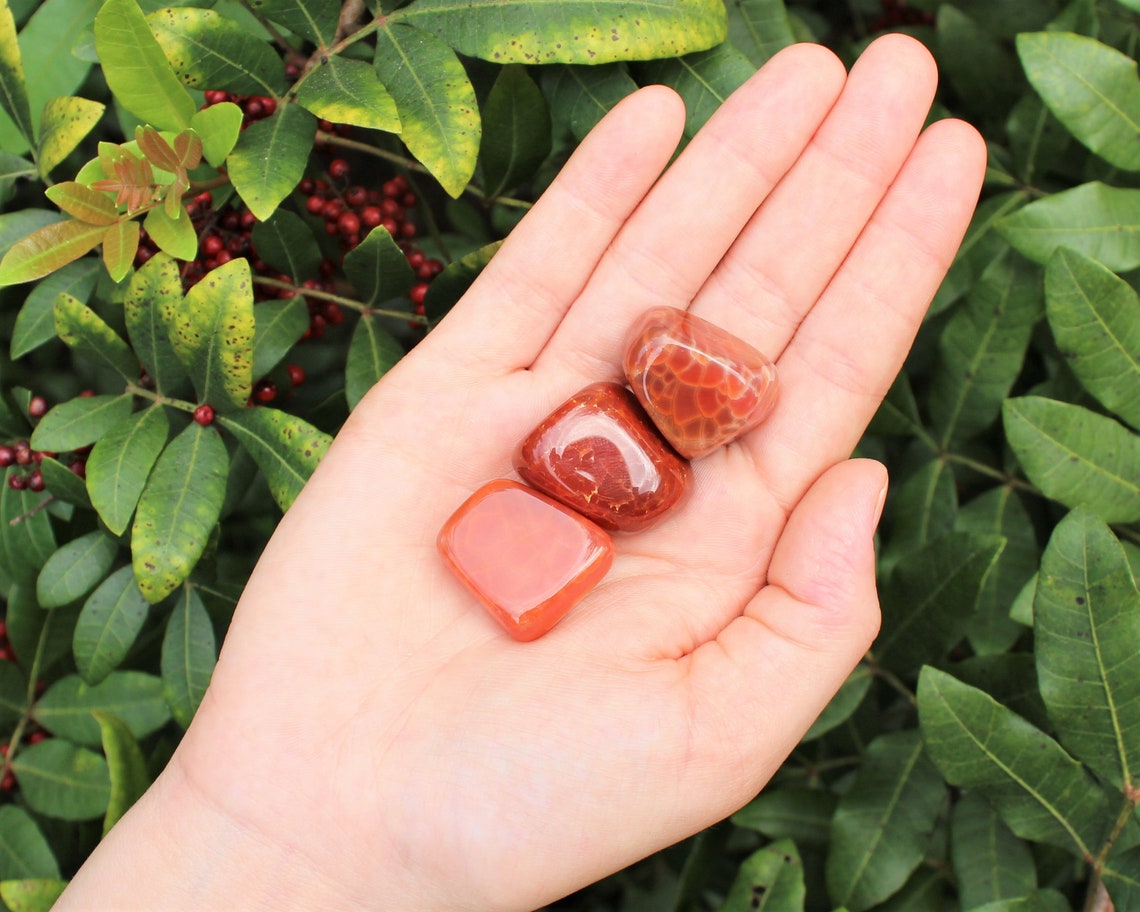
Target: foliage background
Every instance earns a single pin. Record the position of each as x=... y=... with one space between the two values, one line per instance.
x=985 y=753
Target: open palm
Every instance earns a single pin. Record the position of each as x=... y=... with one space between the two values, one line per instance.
x=371 y=726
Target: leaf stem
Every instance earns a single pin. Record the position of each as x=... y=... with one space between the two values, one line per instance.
x=30 y=698
x=891 y=679
x=1096 y=879
x=42 y=505
x=340 y=299
x=136 y=390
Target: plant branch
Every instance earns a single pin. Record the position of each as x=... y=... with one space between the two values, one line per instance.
x=339 y=299
x=136 y=390
x=30 y=696
x=891 y=679
x=42 y=505
x=1096 y=880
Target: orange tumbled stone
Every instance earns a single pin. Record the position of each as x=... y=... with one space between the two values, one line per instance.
x=703 y=387
x=600 y=455
x=527 y=558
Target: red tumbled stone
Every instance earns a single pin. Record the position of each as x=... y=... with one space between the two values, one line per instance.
x=599 y=454
x=702 y=386
x=528 y=559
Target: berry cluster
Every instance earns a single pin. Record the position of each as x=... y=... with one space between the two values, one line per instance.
x=896 y=13
x=253 y=107
x=20 y=453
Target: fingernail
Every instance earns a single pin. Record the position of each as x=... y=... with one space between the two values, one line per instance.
x=879 y=506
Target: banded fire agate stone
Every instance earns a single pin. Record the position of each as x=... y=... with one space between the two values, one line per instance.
x=702 y=386
x=599 y=454
x=527 y=558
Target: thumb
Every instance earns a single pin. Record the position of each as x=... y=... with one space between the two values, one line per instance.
x=771 y=671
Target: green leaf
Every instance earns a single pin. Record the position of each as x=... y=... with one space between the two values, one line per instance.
x=921 y=509
x=759 y=28
x=1037 y=140
x=378 y=269
x=982 y=349
x=1122 y=879
x=126 y=765
x=75 y=569
x=120 y=244
x=13 y=694
x=35 y=324
x=153 y=296
x=879 y=828
x=1041 y=792
x=108 y=625
x=1094 y=219
x=929 y=598
x=1009 y=678
x=63 y=780
x=348 y=91
x=1000 y=511
x=314 y=19
x=1047 y=900
x=136 y=69
x=84 y=330
x=1075 y=456
x=83 y=203
x=65 y=123
x=64 y=484
x=581 y=96
x=209 y=51
x=990 y=863
x=452 y=284
x=120 y=462
x=48 y=249
x=1091 y=88
x=175 y=236
x=285 y=448
x=704 y=80
x=1095 y=318
x=801 y=814
x=80 y=421
x=843 y=705
x=571 y=31
x=24 y=852
x=48 y=41
x=270 y=157
x=135 y=697
x=439 y=115
x=898 y=415
x=33 y=631
x=287 y=243
x=516 y=131
x=371 y=354
x=219 y=126
x=13 y=88
x=14 y=226
x=189 y=652
x=1086 y=623
x=977 y=63
x=280 y=324
x=769 y=880
x=31 y=895
x=26 y=536
x=178 y=510
x=212 y=334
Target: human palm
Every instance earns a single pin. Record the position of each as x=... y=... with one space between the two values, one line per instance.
x=368 y=721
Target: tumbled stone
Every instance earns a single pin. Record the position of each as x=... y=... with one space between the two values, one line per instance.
x=599 y=454
x=702 y=386
x=527 y=558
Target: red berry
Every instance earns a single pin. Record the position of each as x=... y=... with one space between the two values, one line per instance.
x=237 y=244
x=254 y=109
x=86 y=394
x=36 y=481
x=418 y=291
x=416 y=259
x=248 y=219
x=269 y=105
x=392 y=188
x=332 y=210
x=265 y=391
x=7 y=456
x=231 y=221
x=391 y=208
x=204 y=415
x=296 y=374
x=79 y=468
x=314 y=204
x=408 y=199
x=37 y=736
x=205 y=199
x=356 y=196
x=327 y=267
x=211 y=245
x=37 y=406
x=339 y=168
x=317 y=326
x=434 y=267
x=325 y=125
x=348 y=223
x=390 y=226
x=23 y=455
x=224 y=257
x=306 y=185
x=407 y=230
x=17 y=482
x=292 y=71
x=216 y=96
x=371 y=216
x=334 y=316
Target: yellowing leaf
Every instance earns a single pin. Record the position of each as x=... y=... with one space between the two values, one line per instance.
x=48 y=249
x=66 y=120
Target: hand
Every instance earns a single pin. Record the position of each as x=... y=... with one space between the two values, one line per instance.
x=371 y=739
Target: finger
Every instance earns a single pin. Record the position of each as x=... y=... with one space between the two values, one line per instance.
x=789 y=251
x=683 y=228
x=760 y=684
x=847 y=351
x=510 y=312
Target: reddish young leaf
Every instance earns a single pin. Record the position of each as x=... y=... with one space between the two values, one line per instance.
x=46 y=250
x=120 y=244
x=156 y=149
x=83 y=203
x=188 y=147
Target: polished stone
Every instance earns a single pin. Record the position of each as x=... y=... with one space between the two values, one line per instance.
x=600 y=455
x=703 y=387
x=527 y=558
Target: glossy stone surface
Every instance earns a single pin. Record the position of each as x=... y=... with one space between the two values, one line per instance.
x=600 y=455
x=528 y=559
x=702 y=386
